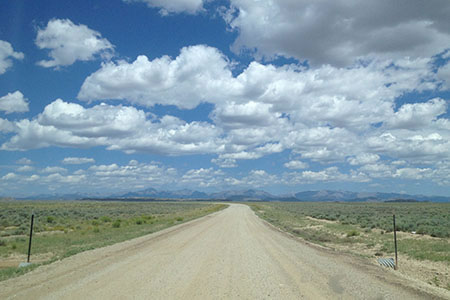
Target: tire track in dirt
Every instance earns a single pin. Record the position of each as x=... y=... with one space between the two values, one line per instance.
x=231 y=254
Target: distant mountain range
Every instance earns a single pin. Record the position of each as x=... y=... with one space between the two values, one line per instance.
x=249 y=195
x=346 y=196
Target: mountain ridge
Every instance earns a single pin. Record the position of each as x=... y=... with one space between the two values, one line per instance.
x=247 y=195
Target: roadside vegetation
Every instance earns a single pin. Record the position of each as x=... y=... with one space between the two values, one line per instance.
x=423 y=231
x=62 y=229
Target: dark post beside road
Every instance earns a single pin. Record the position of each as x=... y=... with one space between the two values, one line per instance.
x=31 y=236
x=395 y=244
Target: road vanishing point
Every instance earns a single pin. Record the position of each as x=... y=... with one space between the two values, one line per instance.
x=230 y=254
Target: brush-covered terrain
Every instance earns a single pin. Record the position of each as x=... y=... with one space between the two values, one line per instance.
x=62 y=229
x=367 y=229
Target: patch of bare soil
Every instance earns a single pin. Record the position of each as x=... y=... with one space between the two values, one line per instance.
x=231 y=254
x=430 y=272
x=15 y=260
x=321 y=220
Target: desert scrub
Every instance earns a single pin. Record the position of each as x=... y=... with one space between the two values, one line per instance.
x=76 y=226
x=116 y=223
x=369 y=224
x=105 y=219
x=352 y=233
x=424 y=218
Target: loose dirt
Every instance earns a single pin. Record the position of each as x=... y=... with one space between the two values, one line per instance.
x=436 y=273
x=231 y=254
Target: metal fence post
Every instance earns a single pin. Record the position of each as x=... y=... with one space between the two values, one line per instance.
x=31 y=236
x=395 y=244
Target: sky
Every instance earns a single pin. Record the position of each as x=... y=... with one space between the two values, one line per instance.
x=109 y=96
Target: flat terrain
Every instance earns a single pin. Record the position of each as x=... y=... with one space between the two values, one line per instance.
x=366 y=229
x=229 y=254
x=65 y=228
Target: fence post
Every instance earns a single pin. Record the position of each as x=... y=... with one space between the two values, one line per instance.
x=31 y=236
x=395 y=244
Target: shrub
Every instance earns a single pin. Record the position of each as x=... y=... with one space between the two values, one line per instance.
x=18 y=231
x=139 y=222
x=105 y=219
x=352 y=233
x=421 y=230
x=2 y=243
x=50 y=219
x=116 y=224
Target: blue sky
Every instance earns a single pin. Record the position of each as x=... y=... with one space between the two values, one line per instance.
x=102 y=97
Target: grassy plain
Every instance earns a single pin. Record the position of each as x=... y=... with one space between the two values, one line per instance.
x=66 y=228
x=366 y=229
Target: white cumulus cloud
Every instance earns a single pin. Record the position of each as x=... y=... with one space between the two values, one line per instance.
x=24 y=161
x=444 y=75
x=68 y=42
x=330 y=174
x=323 y=114
x=417 y=115
x=13 y=102
x=363 y=159
x=339 y=32
x=25 y=169
x=54 y=170
x=203 y=177
x=193 y=77
x=6 y=126
x=6 y=54
x=296 y=164
x=124 y=128
x=77 y=160
x=174 y=6
x=9 y=176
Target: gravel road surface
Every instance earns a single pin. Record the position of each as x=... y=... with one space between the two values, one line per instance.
x=231 y=254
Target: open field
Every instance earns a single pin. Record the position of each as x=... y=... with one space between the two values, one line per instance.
x=365 y=229
x=230 y=254
x=65 y=228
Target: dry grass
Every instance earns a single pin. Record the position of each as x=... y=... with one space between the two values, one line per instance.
x=66 y=228
x=421 y=256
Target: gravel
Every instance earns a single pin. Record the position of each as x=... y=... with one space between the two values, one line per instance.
x=231 y=254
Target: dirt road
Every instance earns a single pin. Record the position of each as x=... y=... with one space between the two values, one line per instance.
x=231 y=254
